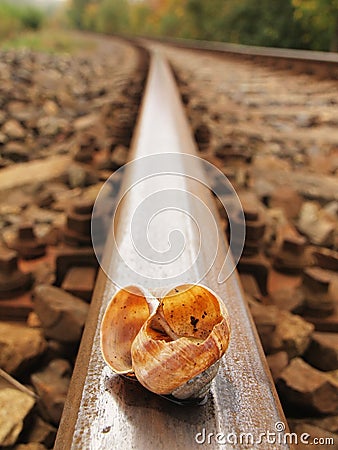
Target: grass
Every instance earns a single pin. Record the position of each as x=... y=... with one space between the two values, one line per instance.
x=50 y=41
x=15 y=17
x=25 y=26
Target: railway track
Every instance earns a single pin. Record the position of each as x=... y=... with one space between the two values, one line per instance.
x=322 y=64
x=105 y=411
x=162 y=128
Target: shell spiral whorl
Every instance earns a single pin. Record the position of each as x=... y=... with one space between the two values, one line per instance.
x=172 y=344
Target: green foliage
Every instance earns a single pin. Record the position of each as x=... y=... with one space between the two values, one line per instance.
x=9 y=22
x=113 y=16
x=320 y=22
x=107 y=16
x=311 y=24
x=50 y=41
x=76 y=12
x=208 y=19
x=15 y=18
x=139 y=18
x=262 y=22
x=31 y=18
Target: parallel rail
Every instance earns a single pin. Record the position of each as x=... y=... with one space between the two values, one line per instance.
x=104 y=411
x=324 y=64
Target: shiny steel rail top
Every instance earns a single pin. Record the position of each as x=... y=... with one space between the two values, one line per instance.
x=105 y=411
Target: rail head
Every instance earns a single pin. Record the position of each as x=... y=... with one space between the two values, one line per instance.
x=323 y=65
x=104 y=411
x=252 y=50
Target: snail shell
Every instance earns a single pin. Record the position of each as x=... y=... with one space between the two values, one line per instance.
x=172 y=344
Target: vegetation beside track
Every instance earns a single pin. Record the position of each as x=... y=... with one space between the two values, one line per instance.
x=23 y=25
x=15 y=18
x=49 y=40
x=303 y=24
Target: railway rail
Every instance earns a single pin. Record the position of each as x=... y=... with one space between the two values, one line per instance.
x=103 y=410
x=107 y=412
x=323 y=64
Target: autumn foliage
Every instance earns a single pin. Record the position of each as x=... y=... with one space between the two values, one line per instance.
x=307 y=24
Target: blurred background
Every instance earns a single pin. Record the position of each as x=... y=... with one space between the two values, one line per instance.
x=301 y=24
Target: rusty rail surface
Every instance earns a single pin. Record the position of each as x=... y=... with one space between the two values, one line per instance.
x=105 y=411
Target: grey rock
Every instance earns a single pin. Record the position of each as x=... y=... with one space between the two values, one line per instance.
x=305 y=120
x=44 y=273
x=292 y=256
x=3 y=138
x=331 y=209
x=292 y=334
x=2 y=117
x=323 y=351
x=119 y=157
x=80 y=176
x=308 y=428
x=20 y=347
x=20 y=111
x=50 y=108
x=51 y=384
x=14 y=407
x=50 y=126
x=316 y=224
x=42 y=432
x=319 y=292
x=16 y=151
x=326 y=259
x=13 y=129
x=265 y=318
x=288 y=299
x=84 y=122
x=277 y=363
x=329 y=423
x=288 y=200
x=76 y=175
x=30 y=446
x=302 y=386
x=62 y=315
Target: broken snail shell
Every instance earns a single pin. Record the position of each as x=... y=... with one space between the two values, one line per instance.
x=172 y=344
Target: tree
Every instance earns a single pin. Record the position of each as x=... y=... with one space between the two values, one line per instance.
x=320 y=19
x=113 y=16
x=262 y=22
x=307 y=24
x=139 y=18
x=76 y=12
x=208 y=19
